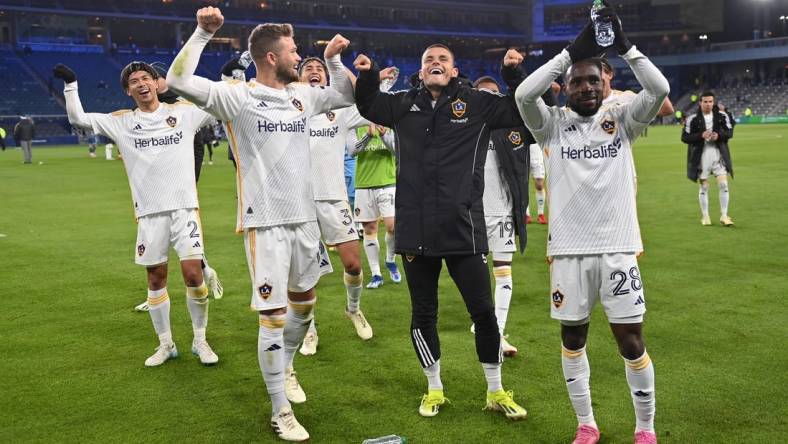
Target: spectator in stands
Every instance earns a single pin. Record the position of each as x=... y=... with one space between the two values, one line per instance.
x=24 y=131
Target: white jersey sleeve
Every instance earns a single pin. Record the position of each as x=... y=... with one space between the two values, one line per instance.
x=353 y=119
x=226 y=99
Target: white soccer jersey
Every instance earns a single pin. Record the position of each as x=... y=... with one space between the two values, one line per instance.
x=589 y=181
x=497 y=199
x=617 y=97
x=158 y=153
x=268 y=130
x=327 y=136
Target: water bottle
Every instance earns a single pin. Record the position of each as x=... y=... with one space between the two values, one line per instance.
x=245 y=60
x=388 y=439
x=387 y=83
x=603 y=31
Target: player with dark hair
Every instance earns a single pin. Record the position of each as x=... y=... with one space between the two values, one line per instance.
x=156 y=142
x=267 y=120
x=706 y=134
x=594 y=236
x=442 y=126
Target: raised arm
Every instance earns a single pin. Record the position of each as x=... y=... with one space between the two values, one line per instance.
x=649 y=100
x=180 y=77
x=341 y=83
x=376 y=106
x=528 y=95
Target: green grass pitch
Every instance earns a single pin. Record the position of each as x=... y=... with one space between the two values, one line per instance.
x=72 y=350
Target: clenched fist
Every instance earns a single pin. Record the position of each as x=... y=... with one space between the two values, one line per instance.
x=512 y=58
x=362 y=63
x=210 y=19
x=336 y=46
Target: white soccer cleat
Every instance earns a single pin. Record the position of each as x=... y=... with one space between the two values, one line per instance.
x=163 y=353
x=293 y=390
x=213 y=282
x=508 y=349
x=287 y=427
x=363 y=329
x=726 y=221
x=473 y=328
x=705 y=221
x=204 y=352
x=143 y=306
x=309 y=347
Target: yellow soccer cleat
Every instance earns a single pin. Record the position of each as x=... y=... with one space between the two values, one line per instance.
x=503 y=401
x=726 y=221
x=431 y=402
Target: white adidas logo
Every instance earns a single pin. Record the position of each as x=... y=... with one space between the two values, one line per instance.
x=415 y=108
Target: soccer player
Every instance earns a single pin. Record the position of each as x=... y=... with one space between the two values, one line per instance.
x=156 y=142
x=594 y=233
x=505 y=198
x=440 y=125
x=267 y=120
x=706 y=134
x=375 y=195
x=327 y=136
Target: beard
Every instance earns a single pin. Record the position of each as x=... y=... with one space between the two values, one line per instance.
x=585 y=112
x=286 y=74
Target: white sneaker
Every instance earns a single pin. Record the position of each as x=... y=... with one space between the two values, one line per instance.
x=508 y=349
x=204 y=352
x=213 y=282
x=143 y=306
x=287 y=427
x=363 y=329
x=473 y=328
x=293 y=390
x=309 y=347
x=163 y=353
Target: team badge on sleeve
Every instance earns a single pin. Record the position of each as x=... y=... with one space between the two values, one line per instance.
x=331 y=116
x=515 y=138
x=609 y=126
x=558 y=298
x=265 y=290
x=458 y=107
x=171 y=121
x=298 y=104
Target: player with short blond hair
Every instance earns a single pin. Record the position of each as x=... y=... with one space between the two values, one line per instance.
x=268 y=123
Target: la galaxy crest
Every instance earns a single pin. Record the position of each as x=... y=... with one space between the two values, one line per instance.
x=265 y=290
x=609 y=126
x=558 y=298
x=515 y=138
x=171 y=121
x=458 y=108
x=140 y=249
x=331 y=116
x=298 y=105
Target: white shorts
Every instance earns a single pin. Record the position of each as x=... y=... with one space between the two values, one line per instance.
x=374 y=203
x=577 y=282
x=336 y=221
x=325 y=261
x=156 y=232
x=281 y=259
x=500 y=234
x=537 y=161
x=711 y=164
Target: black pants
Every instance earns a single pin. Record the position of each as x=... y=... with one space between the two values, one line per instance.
x=472 y=278
x=199 y=154
x=209 y=147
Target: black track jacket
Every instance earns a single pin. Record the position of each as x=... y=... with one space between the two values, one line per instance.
x=692 y=136
x=441 y=153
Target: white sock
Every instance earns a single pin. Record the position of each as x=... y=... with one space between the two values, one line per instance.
x=703 y=197
x=197 y=302
x=299 y=315
x=577 y=375
x=540 y=201
x=373 y=252
x=492 y=373
x=312 y=326
x=270 y=356
x=724 y=197
x=159 y=309
x=640 y=376
x=503 y=294
x=528 y=210
x=353 y=285
x=389 y=247
x=433 y=374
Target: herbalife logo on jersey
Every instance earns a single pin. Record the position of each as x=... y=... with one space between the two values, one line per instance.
x=324 y=132
x=172 y=139
x=296 y=126
x=601 y=152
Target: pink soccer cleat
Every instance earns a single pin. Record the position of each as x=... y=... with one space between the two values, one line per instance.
x=644 y=437
x=586 y=434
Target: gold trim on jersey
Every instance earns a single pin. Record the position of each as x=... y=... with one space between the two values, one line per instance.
x=252 y=239
x=234 y=148
x=120 y=112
